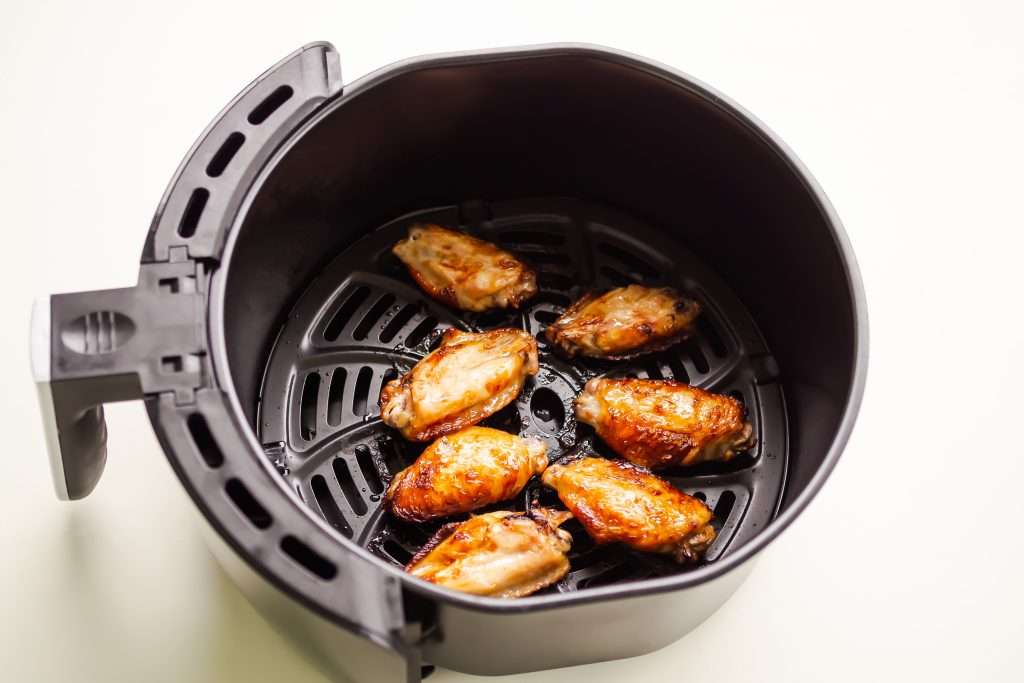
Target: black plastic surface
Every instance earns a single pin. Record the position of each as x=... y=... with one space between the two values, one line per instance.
x=363 y=321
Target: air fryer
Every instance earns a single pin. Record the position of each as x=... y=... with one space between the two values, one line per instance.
x=269 y=311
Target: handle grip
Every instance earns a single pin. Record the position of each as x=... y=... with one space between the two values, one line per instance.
x=92 y=348
x=72 y=407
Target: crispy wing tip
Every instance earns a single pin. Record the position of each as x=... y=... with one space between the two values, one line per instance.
x=745 y=440
x=693 y=547
x=452 y=335
x=551 y=517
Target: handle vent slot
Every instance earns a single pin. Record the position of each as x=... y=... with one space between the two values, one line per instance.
x=309 y=559
x=223 y=156
x=203 y=439
x=193 y=212
x=271 y=103
x=247 y=504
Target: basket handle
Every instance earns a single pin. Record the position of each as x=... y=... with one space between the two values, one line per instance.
x=91 y=348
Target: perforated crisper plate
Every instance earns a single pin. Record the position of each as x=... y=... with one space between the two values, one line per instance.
x=363 y=321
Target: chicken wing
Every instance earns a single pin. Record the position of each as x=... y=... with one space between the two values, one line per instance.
x=463 y=472
x=502 y=554
x=463 y=271
x=469 y=377
x=618 y=502
x=660 y=423
x=623 y=323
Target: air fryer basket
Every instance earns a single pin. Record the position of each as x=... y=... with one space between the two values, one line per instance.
x=269 y=312
x=363 y=321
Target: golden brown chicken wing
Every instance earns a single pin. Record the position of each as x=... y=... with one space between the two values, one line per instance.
x=463 y=271
x=659 y=423
x=625 y=322
x=470 y=376
x=463 y=472
x=618 y=502
x=502 y=554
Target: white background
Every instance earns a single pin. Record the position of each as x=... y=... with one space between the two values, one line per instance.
x=908 y=565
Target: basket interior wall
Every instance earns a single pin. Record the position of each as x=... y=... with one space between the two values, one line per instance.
x=571 y=126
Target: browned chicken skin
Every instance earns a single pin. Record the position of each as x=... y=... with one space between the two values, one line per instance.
x=463 y=271
x=660 y=423
x=501 y=554
x=469 y=377
x=625 y=322
x=463 y=472
x=618 y=502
